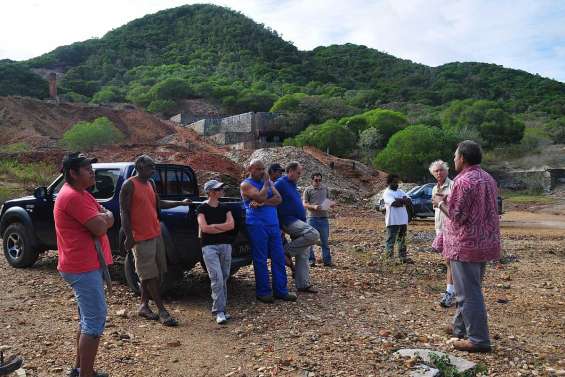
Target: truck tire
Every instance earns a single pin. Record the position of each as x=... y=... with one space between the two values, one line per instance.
x=172 y=277
x=17 y=244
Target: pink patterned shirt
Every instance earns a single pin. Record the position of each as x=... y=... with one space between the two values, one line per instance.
x=472 y=231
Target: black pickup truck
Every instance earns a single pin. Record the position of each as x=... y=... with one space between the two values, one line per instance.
x=28 y=228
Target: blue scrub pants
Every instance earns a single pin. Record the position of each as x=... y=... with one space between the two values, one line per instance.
x=266 y=241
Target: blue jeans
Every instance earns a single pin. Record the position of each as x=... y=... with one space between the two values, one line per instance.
x=89 y=294
x=322 y=225
x=266 y=241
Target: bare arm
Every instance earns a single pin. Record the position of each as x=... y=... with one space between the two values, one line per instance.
x=98 y=225
x=205 y=227
x=108 y=216
x=125 y=212
x=173 y=203
x=250 y=192
x=228 y=225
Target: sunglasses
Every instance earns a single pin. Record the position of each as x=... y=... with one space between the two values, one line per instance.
x=317 y=180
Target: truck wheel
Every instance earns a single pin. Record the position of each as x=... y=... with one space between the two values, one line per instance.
x=171 y=278
x=17 y=246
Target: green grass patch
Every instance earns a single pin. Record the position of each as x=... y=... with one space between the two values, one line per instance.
x=28 y=175
x=14 y=148
x=526 y=197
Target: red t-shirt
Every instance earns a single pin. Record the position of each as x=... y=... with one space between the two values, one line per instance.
x=77 y=252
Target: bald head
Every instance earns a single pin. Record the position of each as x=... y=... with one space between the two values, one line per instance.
x=256 y=169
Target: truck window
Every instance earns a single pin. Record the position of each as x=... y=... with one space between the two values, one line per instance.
x=106 y=180
x=178 y=182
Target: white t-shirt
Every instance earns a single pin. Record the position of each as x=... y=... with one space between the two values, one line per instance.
x=394 y=215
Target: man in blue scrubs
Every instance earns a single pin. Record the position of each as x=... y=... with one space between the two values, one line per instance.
x=260 y=199
x=292 y=217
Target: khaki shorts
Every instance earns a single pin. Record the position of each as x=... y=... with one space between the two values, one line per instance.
x=150 y=258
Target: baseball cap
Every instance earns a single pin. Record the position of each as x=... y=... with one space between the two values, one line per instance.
x=212 y=185
x=275 y=167
x=75 y=160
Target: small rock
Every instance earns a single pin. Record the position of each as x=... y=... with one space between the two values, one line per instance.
x=122 y=313
x=175 y=343
x=384 y=333
x=56 y=370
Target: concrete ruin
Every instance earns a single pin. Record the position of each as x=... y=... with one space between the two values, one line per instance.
x=542 y=180
x=52 y=78
x=243 y=131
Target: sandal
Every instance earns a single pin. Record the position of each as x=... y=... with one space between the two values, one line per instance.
x=167 y=320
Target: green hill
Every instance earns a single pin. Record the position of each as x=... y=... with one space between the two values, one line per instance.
x=214 y=52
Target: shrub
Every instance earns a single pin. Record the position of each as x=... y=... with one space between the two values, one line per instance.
x=556 y=130
x=161 y=106
x=329 y=136
x=487 y=119
x=88 y=135
x=410 y=151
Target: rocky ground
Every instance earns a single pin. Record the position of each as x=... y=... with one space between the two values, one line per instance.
x=366 y=309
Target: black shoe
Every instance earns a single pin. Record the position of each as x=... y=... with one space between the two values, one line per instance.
x=312 y=263
x=406 y=261
x=266 y=299
x=330 y=265
x=289 y=297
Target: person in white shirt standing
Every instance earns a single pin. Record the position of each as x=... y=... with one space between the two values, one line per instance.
x=440 y=169
x=396 y=218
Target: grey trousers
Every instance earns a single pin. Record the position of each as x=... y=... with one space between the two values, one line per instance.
x=471 y=316
x=218 y=264
x=303 y=236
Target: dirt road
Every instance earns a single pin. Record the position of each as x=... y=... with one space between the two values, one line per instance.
x=365 y=310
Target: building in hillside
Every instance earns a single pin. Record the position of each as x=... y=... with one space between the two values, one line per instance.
x=546 y=179
x=243 y=131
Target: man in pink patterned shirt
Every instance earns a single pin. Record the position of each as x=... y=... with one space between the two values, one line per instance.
x=471 y=238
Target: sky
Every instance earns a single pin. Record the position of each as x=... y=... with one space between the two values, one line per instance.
x=521 y=34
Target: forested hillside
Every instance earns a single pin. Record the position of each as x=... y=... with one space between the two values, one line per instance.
x=348 y=99
x=215 y=52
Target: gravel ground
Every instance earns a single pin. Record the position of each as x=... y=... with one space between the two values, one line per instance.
x=366 y=309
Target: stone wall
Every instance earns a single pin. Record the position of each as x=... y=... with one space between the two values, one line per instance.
x=247 y=130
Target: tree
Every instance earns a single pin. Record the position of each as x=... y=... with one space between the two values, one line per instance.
x=302 y=110
x=388 y=122
x=109 y=93
x=329 y=136
x=88 y=135
x=410 y=151
x=487 y=119
x=370 y=141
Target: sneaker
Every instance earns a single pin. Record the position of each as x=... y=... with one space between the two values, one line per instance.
x=447 y=299
x=228 y=317
x=221 y=318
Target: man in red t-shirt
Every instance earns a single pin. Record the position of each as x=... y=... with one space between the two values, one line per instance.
x=79 y=223
x=139 y=206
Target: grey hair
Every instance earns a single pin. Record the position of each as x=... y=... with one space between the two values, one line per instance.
x=293 y=165
x=441 y=163
x=255 y=161
x=142 y=160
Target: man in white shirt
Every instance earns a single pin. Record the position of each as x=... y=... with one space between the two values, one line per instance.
x=396 y=218
x=440 y=169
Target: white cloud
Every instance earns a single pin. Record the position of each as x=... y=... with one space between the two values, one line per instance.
x=521 y=34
